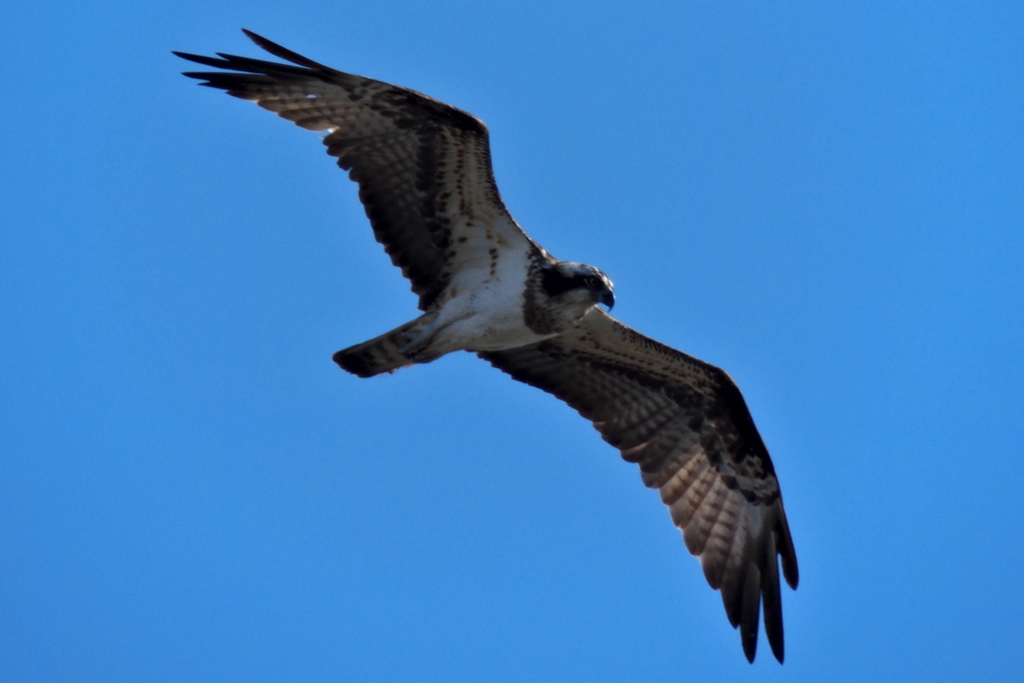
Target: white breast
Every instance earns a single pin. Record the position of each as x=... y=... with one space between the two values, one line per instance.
x=483 y=305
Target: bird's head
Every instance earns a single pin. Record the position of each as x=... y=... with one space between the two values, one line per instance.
x=579 y=284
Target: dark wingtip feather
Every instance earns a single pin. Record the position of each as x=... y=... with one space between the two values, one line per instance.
x=778 y=646
x=790 y=570
x=750 y=612
x=732 y=596
x=771 y=601
x=788 y=554
x=283 y=52
x=201 y=59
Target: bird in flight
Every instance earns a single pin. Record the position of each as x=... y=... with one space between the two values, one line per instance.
x=426 y=182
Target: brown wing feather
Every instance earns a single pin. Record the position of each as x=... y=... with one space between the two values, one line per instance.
x=686 y=425
x=423 y=167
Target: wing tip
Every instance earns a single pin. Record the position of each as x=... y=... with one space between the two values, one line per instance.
x=283 y=52
x=752 y=586
x=771 y=602
x=261 y=42
x=787 y=551
x=790 y=571
x=198 y=59
x=778 y=649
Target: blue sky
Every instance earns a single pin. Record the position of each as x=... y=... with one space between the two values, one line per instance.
x=823 y=200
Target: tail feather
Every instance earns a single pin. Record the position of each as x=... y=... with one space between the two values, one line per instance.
x=379 y=355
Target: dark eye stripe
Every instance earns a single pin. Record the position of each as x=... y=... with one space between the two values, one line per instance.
x=555 y=283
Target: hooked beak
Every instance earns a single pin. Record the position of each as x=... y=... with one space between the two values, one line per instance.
x=608 y=298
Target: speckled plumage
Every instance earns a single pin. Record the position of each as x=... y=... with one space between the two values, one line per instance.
x=425 y=179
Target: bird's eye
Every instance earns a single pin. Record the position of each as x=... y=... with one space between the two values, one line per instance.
x=592 y=282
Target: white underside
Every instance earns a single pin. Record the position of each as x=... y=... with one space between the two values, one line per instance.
x=480 y=311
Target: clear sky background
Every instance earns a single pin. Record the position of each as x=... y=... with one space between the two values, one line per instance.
x=824 y=199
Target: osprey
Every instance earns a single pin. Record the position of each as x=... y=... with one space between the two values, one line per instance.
x=425 y=179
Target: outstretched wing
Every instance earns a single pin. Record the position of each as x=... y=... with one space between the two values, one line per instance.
x=423 y=167
x=686 y=425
